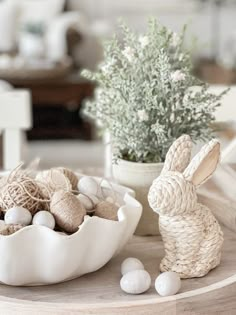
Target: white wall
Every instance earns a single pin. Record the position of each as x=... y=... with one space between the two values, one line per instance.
x=173 y=13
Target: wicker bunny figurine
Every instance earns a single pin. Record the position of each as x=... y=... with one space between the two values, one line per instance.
x=192 y=236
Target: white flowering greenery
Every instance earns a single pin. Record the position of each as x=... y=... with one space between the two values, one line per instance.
x=145 y=95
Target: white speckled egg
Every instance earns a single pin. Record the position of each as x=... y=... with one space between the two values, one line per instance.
x=86 y=201
x=130 y=264
x=44 y=218
x=87 y=185
x=135 y=282
x=18 y=215
x=168 y=283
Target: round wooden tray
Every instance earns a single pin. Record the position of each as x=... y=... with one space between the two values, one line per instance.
x=60 y=69
x=100 y=293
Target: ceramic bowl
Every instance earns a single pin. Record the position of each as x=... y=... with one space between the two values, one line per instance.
x=36 y=255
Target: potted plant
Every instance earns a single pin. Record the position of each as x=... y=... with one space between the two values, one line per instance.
x=146 y=98
x=31 y=41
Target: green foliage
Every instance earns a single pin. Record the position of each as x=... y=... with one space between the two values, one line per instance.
x=145 y=95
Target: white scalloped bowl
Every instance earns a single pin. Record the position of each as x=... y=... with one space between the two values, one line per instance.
x=36 y=255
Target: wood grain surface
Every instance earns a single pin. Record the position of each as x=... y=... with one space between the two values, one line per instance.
x=100 y=293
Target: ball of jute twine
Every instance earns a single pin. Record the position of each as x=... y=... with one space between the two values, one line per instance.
x=9 y=229
x=53 y=180
x=17 y=189
x=106 y=210
x=68 y=211
x=70 y=175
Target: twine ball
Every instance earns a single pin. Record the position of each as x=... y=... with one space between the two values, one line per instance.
x=22 y=192
x=53 y=180
x=68 y=211
x=106 y=210
x=70 y=175
x=9 y=229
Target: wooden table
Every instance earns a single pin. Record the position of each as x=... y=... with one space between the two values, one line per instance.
x=100 y=293
x=213 y=73
x=62 y=91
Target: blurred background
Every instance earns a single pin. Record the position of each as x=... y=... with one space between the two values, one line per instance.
x=44 y=44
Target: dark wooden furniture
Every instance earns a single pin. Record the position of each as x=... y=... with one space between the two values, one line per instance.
x=56 y=107
x=213 y=73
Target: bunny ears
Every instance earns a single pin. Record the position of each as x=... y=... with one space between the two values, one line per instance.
x=202 y=165
x=178 y=155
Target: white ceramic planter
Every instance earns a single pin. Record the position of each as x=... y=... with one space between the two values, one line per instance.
x=31 y=46
x=36 y=255
x=139 y=177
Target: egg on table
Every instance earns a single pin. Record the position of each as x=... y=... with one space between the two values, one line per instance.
x=168 y=283
x=130 y=264
x=135 y=282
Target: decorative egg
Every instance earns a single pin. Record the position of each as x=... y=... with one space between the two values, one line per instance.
x=106 y=210
x=68 y=211
x=87 y=185
x=86 y=201
x=130 y=264
x=18 y=215
x=135 y=282
x=168 y=283
x=44 y=218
